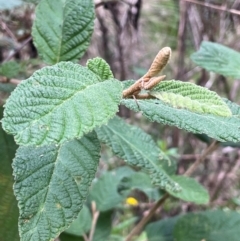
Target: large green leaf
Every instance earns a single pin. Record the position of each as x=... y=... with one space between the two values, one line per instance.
x=218 y=58
x=209 y=226
x=59 y=103
x=62 y=29
x=138 y=149
x=51 y=184
x=217 y=127
x=185 y=95
x=8 y=204
x=192 y=191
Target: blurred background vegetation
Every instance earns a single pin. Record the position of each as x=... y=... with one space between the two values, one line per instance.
x=128 y=34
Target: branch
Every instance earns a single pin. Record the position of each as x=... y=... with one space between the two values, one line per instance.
x=18 y=49
x=222 y=8
x=94 y=220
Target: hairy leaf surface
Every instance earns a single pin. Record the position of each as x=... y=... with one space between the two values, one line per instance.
x=217 y=127
x=59 y=103
x=192 y=97
x=100 y=67
x=218 y=58
x=192 y=191
x=62 y=29
x=138 y=149
x=51 y=184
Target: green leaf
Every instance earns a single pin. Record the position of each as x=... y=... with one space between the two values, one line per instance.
x=8 y=204
x=218 y=58
x=105 y=192
x=82 y=224
x=138 y=149
x=10 y=69
x=62 y=29
x=101 y=68
x=51 y=184
x=162 y=230
x=217 y=127
x=209 y=226
x=192 y=191
x=192 y=97
x=59 y=103
x=6 y=87
x=10 y=4
x=192 y=227
x=103 y=227
x=224 y=225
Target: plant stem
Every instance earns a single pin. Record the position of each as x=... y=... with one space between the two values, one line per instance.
x=210 y=149
x=94 y=220
x=138 y=228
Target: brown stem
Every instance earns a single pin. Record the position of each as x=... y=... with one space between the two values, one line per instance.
x=138 y=228
x=94 y=220
x=214 y=145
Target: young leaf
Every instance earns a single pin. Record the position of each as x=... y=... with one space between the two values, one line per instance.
x=51 y=184
x=100 y=67
x=192 y=97
x=217 y=127
x=192 y=191
x=138 y=149
x=62 y=29
x=218 y=58
x=59 y=103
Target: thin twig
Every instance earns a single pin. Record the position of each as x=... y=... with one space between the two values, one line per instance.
x=138 y=228
x=95 y=213
x=18 y=49
x=209 y=5
x=207 y=151
x=11 y=81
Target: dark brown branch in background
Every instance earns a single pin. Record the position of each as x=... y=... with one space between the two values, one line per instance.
x=18 y=49
x=216 y=7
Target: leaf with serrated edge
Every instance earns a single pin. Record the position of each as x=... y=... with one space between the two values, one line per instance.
x=62 y=29
x=218 y=58
x=217 y=127
x=100 y=67
x=138 y=149
x=59 y=103
x=51 y=184
x=192 y=191
x=192 y=97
